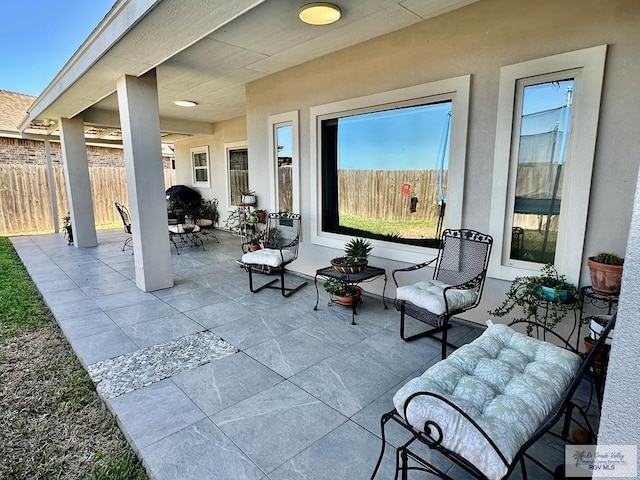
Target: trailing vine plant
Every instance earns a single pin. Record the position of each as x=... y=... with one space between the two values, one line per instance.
x=527 y=293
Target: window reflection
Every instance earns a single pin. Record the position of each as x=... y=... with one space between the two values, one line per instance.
x=544 y=130
x=284 y=157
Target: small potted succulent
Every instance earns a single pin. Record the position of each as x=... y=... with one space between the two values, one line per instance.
x=343 y=293
x=606 y=272
x=355 y=259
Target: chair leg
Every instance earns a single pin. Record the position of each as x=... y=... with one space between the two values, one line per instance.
x=427 y=333
x=286 y=291
x=266 y=285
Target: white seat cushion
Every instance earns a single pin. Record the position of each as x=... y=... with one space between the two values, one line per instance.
x=267 y=256
x=506 y=381
x=182 y=228
x=428 y=294
x=205 y=223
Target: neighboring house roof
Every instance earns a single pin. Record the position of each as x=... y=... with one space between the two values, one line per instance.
x=13 y=108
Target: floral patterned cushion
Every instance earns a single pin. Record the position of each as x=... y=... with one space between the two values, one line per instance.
x=506 y=381
x=428 y=294
x=268 y=256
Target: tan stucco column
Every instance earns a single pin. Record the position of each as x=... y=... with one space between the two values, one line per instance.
x=76 y=175
x=140 y=123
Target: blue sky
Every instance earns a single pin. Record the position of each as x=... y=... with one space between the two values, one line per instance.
x=38 y=37
x=404 y=139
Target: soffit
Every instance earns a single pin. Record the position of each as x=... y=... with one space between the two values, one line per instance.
x=213 y=69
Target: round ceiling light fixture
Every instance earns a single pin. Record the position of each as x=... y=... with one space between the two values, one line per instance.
x=319 y=13
x=185 y=103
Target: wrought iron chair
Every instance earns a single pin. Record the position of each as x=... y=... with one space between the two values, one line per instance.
x=126 y=222
x=280 y=240
x=458 y=280
x=206 y=220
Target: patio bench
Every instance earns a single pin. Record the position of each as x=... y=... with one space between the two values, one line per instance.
x=489 y=401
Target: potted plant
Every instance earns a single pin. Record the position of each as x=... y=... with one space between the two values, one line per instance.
x=67 y=228
x=597 y=325
x=606 y=272
x=249 y=198
x=209 y=210
x=343 y=293
x=356 y=252
x=261 y=214
x=529 y=293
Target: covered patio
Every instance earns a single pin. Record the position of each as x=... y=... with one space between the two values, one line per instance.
x=249 y=67
x=298 y=394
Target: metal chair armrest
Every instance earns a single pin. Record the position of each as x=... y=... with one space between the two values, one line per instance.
x=410 y=269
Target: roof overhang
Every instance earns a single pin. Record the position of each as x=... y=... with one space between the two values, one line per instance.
x=205 y=51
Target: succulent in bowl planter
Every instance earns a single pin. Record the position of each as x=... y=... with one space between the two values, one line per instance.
x=605 y=269
x=530 y=292
x=355 y=259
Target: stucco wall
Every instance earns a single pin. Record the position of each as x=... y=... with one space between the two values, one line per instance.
x=230 y=131
x=476 y=40
x=620 y=423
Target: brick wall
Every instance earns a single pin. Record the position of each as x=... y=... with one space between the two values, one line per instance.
x=31 y=152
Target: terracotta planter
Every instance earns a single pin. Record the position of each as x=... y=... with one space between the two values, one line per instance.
x=348 y=301
x=605 y=278
x=600 y=360
x=254 y=247
x=261 y=217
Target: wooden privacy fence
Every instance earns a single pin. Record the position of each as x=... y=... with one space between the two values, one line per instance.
x=379 y=193
x=26 y=201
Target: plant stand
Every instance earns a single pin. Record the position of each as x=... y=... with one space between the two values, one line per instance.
x=352 y=279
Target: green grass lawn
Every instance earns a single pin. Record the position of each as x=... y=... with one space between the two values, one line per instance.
x=52 y=423
x=401 y=228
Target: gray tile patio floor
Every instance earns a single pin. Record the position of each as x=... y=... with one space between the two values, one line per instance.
x=301 y=399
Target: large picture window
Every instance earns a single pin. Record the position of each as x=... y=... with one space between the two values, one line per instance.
x=390 y=167
x=385 y=173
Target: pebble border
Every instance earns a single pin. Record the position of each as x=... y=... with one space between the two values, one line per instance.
x=131 y=371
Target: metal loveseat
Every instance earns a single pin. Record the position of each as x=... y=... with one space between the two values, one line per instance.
x=486 y=404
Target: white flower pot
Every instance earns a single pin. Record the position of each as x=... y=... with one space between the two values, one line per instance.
x=596 y=329
x=249 y=199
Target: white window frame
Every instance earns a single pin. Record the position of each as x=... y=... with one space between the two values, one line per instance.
x=281 y=120
x=194 y=151
x=455 y=89
x=587 y=68
x=231 y=146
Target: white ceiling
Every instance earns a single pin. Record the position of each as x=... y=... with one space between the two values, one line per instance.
x=214 y=69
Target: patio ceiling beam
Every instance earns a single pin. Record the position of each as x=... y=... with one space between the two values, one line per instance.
x=110 y=119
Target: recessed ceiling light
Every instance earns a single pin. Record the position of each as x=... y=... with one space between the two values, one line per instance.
x=319 y=13
x=185 y=103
